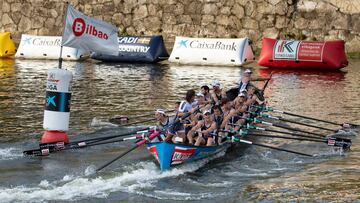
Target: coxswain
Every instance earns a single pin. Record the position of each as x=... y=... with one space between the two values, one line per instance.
x=246 y=79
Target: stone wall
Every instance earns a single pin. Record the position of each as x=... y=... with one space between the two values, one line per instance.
x=299 y=19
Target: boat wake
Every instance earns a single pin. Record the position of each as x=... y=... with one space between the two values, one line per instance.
x=139 y=178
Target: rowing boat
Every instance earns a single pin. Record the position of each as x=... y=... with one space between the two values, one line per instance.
x=172 y=154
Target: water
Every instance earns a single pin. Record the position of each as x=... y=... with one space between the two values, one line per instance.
x=101 y=91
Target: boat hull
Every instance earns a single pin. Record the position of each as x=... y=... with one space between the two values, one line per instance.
x=170 y=154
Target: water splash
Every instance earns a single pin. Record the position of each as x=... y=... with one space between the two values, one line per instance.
x=134 y=179
x=95 y=122
x=10 y=153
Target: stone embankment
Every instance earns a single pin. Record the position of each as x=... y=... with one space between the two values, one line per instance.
x=298 y=19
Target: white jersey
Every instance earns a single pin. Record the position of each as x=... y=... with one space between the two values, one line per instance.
x=186 y=106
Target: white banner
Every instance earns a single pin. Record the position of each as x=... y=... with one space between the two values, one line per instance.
x=89 y=34
x=211 y=51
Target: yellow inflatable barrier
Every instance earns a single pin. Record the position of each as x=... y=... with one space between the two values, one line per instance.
x=7 y=45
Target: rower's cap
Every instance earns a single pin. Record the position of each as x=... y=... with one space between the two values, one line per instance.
x=162 y=111
x=199 y=94
x=208 y=111
x=248 y=71
x=215 y=83
x=241 y=94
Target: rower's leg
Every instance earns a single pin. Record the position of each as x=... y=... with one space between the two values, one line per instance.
x=210 y=141
x=169 y=137
x=190 y=137
x=200 y=140
x=181 y=135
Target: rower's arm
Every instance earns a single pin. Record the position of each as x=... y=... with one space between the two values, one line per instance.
x=227 y=118
x=194 y=129
x=212 y=128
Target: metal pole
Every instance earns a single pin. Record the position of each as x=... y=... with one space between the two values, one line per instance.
x=61 y=47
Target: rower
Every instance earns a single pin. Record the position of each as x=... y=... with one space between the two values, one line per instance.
x=217 y=94
x=201 y=102
x=236 y=114
x=202 y=130
x=253 y=98
x=218 y=117
x=173 y=133
x=163 y=123
x=205 y=90
x=188 y=104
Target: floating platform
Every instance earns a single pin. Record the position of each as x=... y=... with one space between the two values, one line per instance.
x=292 y=54
x=47 y=47
x=147 y=49
x=7 y=45
x=212 y=51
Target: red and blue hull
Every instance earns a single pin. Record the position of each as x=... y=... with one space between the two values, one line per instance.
x=170 y=154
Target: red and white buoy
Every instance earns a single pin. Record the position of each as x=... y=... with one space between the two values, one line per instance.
x=57 y=106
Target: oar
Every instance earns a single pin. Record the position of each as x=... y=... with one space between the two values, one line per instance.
x=266 y=83
x=248 y=126
x=45 y=149
x=331 y=141
x=295 y=122
x=307 y=117
x=288 y=128
x=152 y=136
x=335 y=141
x=237 y=139
x=120 y=119
x=112 y=136
x=137 y=122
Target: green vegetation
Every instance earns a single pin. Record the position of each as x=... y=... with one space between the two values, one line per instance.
x=297 y=36
x=353 y=55
x=123 y=33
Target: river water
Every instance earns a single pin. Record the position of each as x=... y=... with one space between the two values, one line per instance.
x=101 y=91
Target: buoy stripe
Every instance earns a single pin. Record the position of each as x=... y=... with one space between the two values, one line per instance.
x=57 y=101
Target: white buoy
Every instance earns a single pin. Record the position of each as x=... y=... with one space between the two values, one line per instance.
x=57 y=106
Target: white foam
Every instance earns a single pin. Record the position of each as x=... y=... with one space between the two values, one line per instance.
x=240 y=174
x=143 y=175
x=10 y=153
x=99 y=123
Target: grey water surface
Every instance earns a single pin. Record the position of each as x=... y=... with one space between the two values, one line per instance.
x=103 y=90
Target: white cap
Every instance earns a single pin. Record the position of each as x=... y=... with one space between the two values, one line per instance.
x=241 y=94
x=215 y=83
x=162 y=111
x=207 y=111
x=248 y=71
x=199 y=94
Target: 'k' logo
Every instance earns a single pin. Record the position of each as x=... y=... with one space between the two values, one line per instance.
x=183 y=43
x=287 y=46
